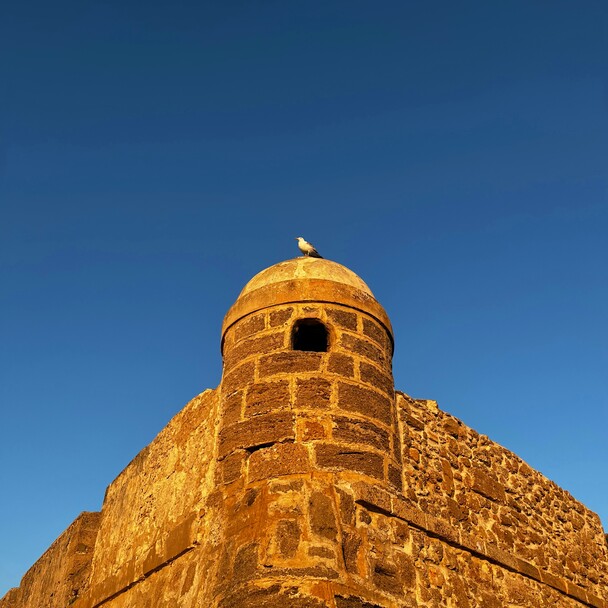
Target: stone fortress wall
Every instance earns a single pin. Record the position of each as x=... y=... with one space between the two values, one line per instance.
x=304 y=480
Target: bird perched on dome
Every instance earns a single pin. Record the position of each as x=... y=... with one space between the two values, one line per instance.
x=307 y=249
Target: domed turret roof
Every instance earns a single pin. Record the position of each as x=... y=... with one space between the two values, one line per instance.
x=304 y=268
x=305 y=279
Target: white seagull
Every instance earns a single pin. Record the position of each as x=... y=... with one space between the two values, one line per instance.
x=307 y=249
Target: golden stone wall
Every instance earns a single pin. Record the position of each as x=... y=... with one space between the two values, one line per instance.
x=62 y=573
x=305 y=481
x=480 y=488
x=154 y=511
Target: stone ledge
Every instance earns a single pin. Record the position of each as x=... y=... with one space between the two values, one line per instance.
x=379 y=500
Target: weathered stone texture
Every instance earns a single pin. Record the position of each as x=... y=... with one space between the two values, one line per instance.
x=365 y=348
x=356 y=431
x=335 y=457
x=289 y=363
x=253 y=346
x=278 y=460
x=341 y=364
x=342 y=318
x=313 y=393
x=490 y=494
x=366 y=402
x=266 y=397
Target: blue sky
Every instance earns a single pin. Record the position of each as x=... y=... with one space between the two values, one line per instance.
x=153 y=158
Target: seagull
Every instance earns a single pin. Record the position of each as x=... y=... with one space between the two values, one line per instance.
x=307 y=249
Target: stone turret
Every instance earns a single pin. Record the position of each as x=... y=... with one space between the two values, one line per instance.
x=305 y=481
x=307 y=373
x=307 y=410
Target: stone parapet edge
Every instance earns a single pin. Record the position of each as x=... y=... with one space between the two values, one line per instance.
x=377 y=499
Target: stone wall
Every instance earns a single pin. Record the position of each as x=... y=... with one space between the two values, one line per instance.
x=480 y=488
x=62 y=572
x=305 y=481
x=292 y=531
x=153 y=511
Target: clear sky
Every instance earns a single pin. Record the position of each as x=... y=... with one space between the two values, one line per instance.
x=155 y=156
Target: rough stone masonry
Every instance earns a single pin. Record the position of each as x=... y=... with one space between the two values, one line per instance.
x=305 y=481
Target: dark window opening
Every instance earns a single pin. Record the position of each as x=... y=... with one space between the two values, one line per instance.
x=310 y=335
